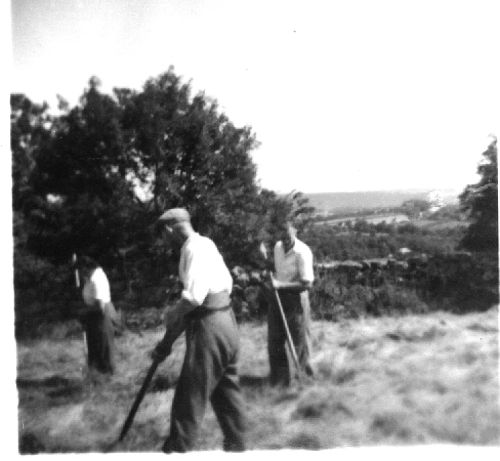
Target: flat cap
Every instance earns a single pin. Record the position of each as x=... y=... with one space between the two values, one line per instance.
x=175 y=216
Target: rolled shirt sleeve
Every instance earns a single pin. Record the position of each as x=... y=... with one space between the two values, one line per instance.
x=196 y=285
x=305 y=264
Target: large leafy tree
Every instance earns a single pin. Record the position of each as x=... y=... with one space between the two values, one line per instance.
x=94 y=179
x=480 y=202
x=191 y=155
x=84 y=199
x=30 y=133
x=37 y=282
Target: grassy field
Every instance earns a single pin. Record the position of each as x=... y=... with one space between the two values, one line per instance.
x=391 y=381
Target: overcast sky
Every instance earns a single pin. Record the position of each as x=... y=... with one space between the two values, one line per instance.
x=342 y=95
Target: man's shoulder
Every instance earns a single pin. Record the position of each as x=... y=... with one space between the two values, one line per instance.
x=301 y=247
x=99 y=276
x=206 y=240
x=97 y=273
x=200 y=241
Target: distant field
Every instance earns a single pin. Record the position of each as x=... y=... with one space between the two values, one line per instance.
x=398 y=218
x=354 y=201
x=392 y=381
x=371 y=219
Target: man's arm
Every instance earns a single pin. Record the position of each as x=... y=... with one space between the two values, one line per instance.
x=99 y=286
x=265 y=261
x=176 y=324
x=178 y=311
x=97 y=306
x=294 y=287
x=304 y=278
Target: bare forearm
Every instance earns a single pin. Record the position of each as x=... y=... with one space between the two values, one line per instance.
x=175 y=320
x=294 y=287
x=172 y=332
x=178 y=311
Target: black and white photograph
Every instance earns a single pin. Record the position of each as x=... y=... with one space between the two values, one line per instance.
x=252 y=227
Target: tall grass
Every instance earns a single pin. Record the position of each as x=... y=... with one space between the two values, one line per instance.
x=393 y=381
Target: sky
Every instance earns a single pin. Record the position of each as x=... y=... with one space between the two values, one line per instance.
x=351 y=95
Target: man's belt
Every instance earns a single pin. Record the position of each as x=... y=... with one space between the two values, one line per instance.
x=218 y=300
x=214 y=302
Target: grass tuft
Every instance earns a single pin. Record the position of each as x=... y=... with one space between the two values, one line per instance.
x=418 y=379
x=305 y=441
x=390 y=424
x=30 y=445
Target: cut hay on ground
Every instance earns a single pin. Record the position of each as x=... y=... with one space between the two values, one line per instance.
x=392 y=381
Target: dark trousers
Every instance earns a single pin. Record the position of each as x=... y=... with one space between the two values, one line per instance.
x=99 y=334
x=297 y=312
x=209 y=373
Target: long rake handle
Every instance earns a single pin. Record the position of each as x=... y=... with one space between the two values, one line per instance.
x=76 y=273
x=138 y=399
x=171 y=335
x=287 y=331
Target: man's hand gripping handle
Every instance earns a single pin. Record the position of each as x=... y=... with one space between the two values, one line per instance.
x=164 y=347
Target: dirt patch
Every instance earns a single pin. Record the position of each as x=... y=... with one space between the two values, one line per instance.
x=254 y=382
x=390 y=424
x=482 y=328
x=345 y=375
x=29 y=444
x=161 y=383
x=416 y=336
x=286 y=396
x=317 y=404
x=57 y=389
x=305 y=441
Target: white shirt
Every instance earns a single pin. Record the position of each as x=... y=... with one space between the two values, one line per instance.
x=295 y=265
x=202 y=269
x=96 y=288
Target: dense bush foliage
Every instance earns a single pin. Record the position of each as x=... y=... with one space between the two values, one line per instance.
x=457 y=282
x=332 y=301
x=363 y=240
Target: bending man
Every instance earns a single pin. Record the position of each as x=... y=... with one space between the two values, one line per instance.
x=209 y=371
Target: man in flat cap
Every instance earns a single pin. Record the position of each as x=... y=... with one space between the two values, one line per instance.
x=209 y=371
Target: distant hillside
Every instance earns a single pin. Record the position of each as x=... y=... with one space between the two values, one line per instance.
x=336 y=202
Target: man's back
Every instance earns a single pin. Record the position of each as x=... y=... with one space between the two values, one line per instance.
x=202 y=269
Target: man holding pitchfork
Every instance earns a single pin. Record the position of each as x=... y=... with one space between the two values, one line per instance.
x=292 y=280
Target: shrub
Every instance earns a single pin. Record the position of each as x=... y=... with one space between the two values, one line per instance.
x=332 y=302
x=43 y=292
